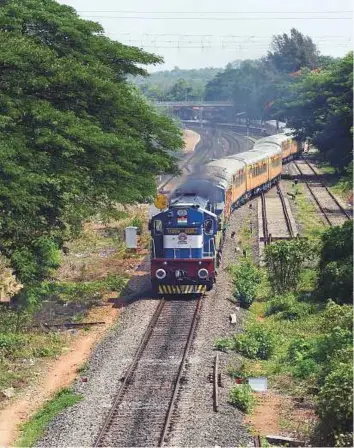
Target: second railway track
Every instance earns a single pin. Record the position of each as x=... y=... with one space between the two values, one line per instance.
x=332 y=211
x=142 y=409
x=277 y=220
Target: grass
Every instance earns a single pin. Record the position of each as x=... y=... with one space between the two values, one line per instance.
x=307 y=214
x=83 y=368
x=245 y=237
x=342 y=186
x=242 y=397
x=34 y=428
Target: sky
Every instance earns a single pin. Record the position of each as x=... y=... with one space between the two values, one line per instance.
x=210 y=33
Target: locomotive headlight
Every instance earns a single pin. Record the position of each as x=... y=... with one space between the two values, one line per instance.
x=160 y=274
x=203 y=273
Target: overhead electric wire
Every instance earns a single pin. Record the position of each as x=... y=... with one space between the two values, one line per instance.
x=218 y=18
x=216 y=12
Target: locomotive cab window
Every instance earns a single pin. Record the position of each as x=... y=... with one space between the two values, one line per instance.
x=208 y=226
x=158 y=227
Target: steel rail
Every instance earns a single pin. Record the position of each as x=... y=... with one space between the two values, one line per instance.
x=264 y=219
x=286 y=212
x=130 y=372
x=180 y=371
x=327 y=189
x=313 y=194
x=216 y=383
x=232 y=140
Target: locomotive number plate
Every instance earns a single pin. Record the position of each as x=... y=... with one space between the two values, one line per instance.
x=188 y=231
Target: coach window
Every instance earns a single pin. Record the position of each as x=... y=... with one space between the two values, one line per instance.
x=158 y=227
x=208 y=226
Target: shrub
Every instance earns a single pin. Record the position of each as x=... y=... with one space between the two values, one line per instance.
x=223 y=344
x=114 y=282
x=336 y=264
x=241 y=396
x=297 y=311
x=280 y=303
x=285 y=261
x=337 y=316
x=287 y=307
x=299 y=349
x=9 y=343
x=335 y=404
x=137 y=222
x=246 y=279
x=255 y=343
x=305 y=368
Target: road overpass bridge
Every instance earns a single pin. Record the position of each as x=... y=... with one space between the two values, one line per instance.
x=194 y=104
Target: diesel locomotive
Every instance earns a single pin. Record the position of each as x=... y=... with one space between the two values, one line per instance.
x=187 y=235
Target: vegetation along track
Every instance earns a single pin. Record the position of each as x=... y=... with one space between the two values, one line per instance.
x=142 y=409
x=277 y=220
x=332 y=211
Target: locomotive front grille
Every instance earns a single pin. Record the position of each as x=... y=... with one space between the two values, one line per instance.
x=182 y=289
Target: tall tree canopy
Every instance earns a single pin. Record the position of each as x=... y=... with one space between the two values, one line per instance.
x=319 y=106
x=255 y=84
x=75 y=136
x=158 y=85
x=293 y=52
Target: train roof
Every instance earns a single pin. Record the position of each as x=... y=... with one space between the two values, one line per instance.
x=253 y=156
x=269 y=149
x=224 y=168
x=276 y=139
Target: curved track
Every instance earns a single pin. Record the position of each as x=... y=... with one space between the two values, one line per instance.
x=209 y=147
x=142 y=409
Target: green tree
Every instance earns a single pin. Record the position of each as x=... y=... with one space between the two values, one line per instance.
x=163 y=81
x=335 y=406
x=336 y=264
x=318 y=106
x=182 y=91
x=220 y=87
x=293 y=52
x=75 y=136
x=284 y=261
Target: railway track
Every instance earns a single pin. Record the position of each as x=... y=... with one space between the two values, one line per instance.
x=208 y=148
x=277 y=220
x=332 y=211
x=142 y=411
x=233 y=142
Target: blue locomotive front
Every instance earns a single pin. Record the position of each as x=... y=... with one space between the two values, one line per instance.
x=183 y=247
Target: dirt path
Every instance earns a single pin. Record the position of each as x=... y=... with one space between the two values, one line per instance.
x=190 y=138
x=58 y=373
